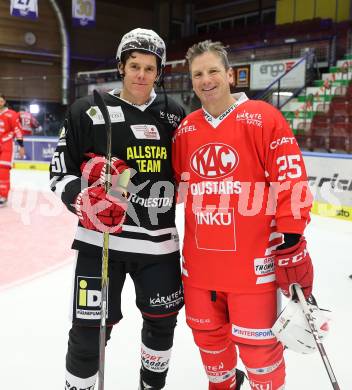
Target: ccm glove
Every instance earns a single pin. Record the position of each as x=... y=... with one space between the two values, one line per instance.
x=93 y=170
x=99 y=211
x=294 y=265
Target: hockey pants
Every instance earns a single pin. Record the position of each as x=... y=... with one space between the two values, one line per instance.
x=6 y=154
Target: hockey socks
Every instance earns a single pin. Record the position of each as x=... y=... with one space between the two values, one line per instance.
x=74 y=383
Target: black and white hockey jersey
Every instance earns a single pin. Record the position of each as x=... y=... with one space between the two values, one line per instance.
x=141 y=136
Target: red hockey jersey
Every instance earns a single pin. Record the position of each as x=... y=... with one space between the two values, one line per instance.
x=9 y=125
x=244 y=182
x=28 y=122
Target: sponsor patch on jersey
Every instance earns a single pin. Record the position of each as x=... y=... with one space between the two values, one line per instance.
x=264 y=266
x=282 y=141
x=215 y=229
x=251 y=118
x=88 y=298
x=183 y=129
x=151 y=202
x=214 y=161
x=225 y=187
x=116 y=114
x=173 y=119
x=145 y=132
x=252 y=334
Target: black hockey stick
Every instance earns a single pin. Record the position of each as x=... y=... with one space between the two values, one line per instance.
x=99 y=101
x=307 y=312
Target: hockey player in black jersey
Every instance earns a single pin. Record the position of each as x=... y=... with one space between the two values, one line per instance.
x=143 y=236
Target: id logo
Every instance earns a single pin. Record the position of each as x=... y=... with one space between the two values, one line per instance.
x=88 y=297
x=214 y=161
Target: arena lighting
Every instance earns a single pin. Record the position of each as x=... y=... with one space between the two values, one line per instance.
x=283 y=93
x=34 y=108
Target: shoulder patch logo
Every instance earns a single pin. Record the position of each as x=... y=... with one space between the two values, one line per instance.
x=63 y=132
x=116 y=114
x=214 y=161
x=62 y=136
x=92 y=112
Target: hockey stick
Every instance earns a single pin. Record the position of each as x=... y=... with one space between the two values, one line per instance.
x=308 y=314
x=122 y=184
x=99 y=101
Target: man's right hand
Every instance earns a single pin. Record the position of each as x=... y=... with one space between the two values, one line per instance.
x=93 y=170
x=99 y=211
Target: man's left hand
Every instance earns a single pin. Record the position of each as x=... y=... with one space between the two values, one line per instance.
x=293 y=265
x=21 y=152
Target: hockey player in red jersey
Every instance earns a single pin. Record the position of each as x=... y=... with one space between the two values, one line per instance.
x=10 y=129
x=243 y=182
x=28 y=122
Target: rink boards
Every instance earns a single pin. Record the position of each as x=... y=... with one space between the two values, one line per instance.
x=330 y=175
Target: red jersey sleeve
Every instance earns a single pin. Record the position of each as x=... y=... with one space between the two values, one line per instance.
x=286 y=173
x=16 y=125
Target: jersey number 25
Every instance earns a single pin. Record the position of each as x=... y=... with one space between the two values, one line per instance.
x=289 y=167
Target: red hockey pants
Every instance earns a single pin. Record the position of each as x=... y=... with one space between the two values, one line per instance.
x=234 y=322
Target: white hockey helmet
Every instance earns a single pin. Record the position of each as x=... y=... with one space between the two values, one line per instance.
x=142 y=39
x=292 y=329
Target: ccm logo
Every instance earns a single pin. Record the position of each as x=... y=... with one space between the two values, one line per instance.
x=293 y=259
x=213 y=161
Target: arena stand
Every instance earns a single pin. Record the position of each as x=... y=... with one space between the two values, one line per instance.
x=319 y=112
x=321 y=116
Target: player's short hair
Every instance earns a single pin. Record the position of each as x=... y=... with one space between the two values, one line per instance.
x=208 y=46
x=127 y=54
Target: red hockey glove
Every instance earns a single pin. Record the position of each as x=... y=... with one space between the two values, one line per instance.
x=293 y=265
x=93 y=170
x=98 y=211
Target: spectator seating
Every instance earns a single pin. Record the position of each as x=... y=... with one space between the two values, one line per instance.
x=320 y=131
x=329 y=130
